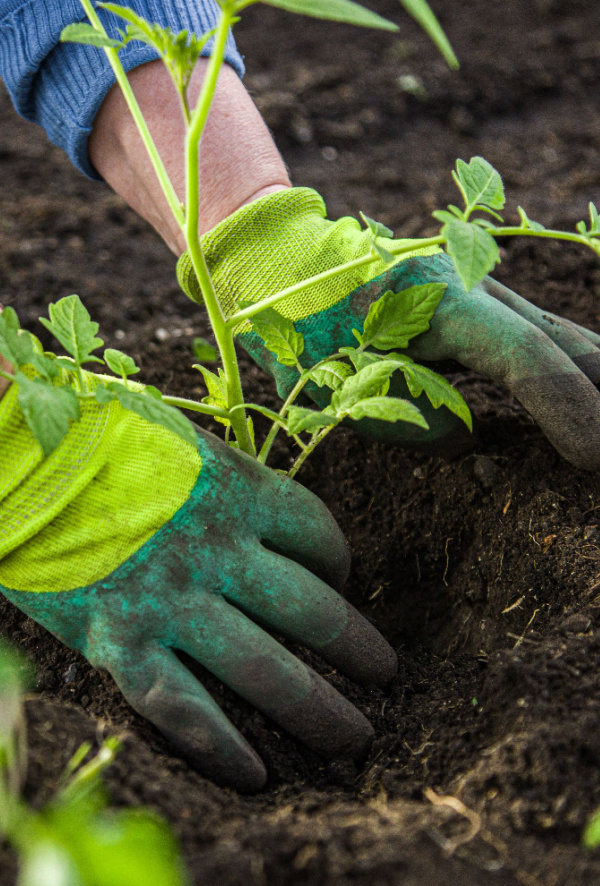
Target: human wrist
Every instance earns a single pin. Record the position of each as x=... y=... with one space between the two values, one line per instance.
x=238 y=158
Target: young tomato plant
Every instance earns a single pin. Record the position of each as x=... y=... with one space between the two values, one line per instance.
x=51 y=388
x=75 y=839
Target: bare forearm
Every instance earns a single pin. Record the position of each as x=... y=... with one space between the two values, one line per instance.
x=238 y=158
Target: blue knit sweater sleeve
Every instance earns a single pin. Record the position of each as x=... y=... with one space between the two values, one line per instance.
x=61 y=85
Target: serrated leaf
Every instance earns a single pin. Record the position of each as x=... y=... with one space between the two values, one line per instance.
x=388 y=409
x=120 y=363
x=375 y=227
x=84 y=33
x=397 y=317
x=527 y=223
x=204 y=351
x=367 y=382
x=153 y=410
x=215 y=384
x=153 y=392
x=217 y=390
x=475 y=252
x=423 y=15
x=72 y=325
x=443 y=216
x=479 y=182
x=16 y=345
x=336 y=11
x=359 y=359
x=331 y=374
x=384 y=254
x=48 y=410
x=300 y=419
x=278 y=334
x=438 y=389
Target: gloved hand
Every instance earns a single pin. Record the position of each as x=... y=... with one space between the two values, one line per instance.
x=550 y=364
x=128 y=544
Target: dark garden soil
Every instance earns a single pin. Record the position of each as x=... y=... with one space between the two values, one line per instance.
x=484 y=571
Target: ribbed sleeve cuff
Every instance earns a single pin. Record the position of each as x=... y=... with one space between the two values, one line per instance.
x=61 y=86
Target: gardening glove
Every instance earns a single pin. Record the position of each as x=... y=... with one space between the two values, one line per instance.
x=550 y=364
x=130 y=545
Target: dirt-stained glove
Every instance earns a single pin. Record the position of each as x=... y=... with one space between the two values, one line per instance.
x=550 y=364
x=129 y=545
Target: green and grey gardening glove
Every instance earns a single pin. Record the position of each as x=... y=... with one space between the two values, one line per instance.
x=550 y=364
x=131 y=545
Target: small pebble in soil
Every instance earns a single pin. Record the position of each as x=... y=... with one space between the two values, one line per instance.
x=70 y=675
x=486 y=471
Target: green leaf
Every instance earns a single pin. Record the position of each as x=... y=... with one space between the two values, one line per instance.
x=336 y=11
x=479 y=182
x=48 y=410
x=83 y=33
x=591 y=834
x=444 y=217
x=367 y=382
x=71 y=324
x=421 y=12
x=388 y=409
x=475 y=252
x=120 y=363
x=397 y=317
x=384 y=254
x=278 y=334
x=217 y=390
x=300 y=419
x=46 y=862
x=438 y=389
x=204 y=351
x=148 y=406
x=113 y=847
x=331 y=374
x=527 y=223
x=359 y=359
x=15 y=343
x=216 y=386
x=594 y=220
x=375 y=227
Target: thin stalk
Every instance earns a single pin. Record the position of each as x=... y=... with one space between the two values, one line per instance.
x=88 y=773
x=248 y=312
x=300 y=384
x=270 y=438
x=132 y=104
x=553 y=235
x=194 y=406
x=314 y=442
x=223 y=333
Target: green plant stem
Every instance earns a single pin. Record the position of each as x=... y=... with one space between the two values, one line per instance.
x=194 y=406
x=132 y=104
x=270 y=438
x=89 y=773
x=248 y=312
x=312 y=445
x=548 y=234
x=268 y=413
x=6 y=375
x=223 y=333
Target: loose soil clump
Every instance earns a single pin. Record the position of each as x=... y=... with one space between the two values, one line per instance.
x=484 y=571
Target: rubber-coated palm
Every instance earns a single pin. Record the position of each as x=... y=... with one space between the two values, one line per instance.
x=550 y=364
x=247 y=548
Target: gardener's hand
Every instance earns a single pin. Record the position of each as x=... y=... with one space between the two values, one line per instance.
x=549 y=364
x=246 y=552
